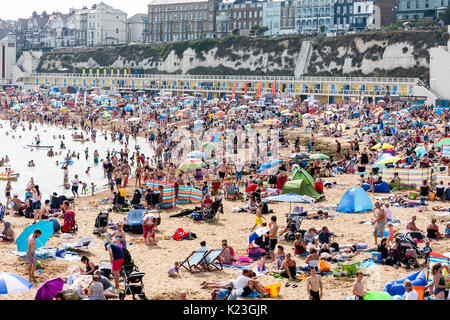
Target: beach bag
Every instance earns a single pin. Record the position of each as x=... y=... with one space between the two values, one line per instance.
x=255 y=253
x=197 y=216
x=324 y=266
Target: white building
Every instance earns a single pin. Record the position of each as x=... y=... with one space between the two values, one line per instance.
x=106 y=26
x=271 y=15
x=440 y=71
x=7 y=58
x=136 y=28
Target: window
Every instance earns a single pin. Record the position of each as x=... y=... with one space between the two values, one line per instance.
x=117 y=30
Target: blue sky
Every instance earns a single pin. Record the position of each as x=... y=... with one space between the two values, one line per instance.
x=24 y=8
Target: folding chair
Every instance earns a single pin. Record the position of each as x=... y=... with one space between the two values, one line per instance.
x=209 y=259
x=194 y=261
x=231 y=191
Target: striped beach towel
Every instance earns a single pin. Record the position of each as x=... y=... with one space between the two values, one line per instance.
x=412 y=178
x=189 y=195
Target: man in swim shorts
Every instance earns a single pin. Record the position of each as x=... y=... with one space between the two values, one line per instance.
x=273 y=236
x=31 y=253
x=380 y=221
x=314 y=286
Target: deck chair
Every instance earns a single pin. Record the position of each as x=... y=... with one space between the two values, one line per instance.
x=231 y=191
x=193 y=262
x=211 y=259
x=82 y=244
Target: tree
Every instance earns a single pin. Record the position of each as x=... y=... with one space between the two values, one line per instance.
x=259 y=30
x=235 y=32
x=322 y=29
x=445 y=16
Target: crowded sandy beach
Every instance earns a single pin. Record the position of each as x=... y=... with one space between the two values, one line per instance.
x=167 y=197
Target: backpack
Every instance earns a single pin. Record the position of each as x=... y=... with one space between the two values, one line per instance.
x=255 y=253
x=196 y=216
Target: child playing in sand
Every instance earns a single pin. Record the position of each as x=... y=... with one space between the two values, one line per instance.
x=92 y=188
x=259 y=217
x=174 y=272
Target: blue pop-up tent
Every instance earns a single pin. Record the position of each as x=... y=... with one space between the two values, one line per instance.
x=355 y=200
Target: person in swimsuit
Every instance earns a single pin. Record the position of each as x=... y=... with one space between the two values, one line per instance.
x=300 y=245
x=259 y=217
x=358 y=287
x=31 y=253
x=226 y=257
x=273 y=236
x=314 y=286
x=440 y=289
x=290 y=268
x=120 y=237
x=90 y=267
x=174 y=272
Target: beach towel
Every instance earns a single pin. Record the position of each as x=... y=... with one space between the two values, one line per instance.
x=368 y=264
x=254 y=294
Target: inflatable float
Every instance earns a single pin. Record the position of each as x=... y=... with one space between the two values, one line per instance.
x=9 y=177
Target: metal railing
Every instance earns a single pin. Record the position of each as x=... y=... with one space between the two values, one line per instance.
x=175 y=77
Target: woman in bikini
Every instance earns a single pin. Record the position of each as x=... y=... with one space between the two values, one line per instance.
x=120 y=237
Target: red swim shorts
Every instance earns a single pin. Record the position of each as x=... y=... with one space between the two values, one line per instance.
x=117 y=264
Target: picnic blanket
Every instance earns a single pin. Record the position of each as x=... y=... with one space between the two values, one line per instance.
x=48 y=253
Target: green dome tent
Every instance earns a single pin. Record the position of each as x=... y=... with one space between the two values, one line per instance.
x=300 y=173
x=301 y=187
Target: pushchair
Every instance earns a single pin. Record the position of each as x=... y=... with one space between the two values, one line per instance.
x=210 y=213
x=119 y=203
x=406 y=253
x=136 y=197
x=101 y=223
x=294 y=222
x=70 y=225
x=134 y=285
x=128 y=265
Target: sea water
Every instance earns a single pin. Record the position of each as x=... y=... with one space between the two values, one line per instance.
x=46 y=174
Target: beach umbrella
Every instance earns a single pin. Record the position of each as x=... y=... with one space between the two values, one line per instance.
x=191 y=164
x=49 y=289
x=389 y=160
x=209 y=146
x=318 y=156
x=11 y=283
x=298 y=156
x=376 y=295
x=257 y=234
x=196 y=155
x=46 y=228
x=288 y=197
x=269 y=164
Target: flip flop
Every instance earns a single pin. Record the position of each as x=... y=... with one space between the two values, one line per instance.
x=294 y=286
x=287 y=285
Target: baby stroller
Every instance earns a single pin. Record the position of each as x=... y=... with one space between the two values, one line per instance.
x=119 y=203
x=134 y=285
x=101 y=223
x=128 y=265
x=407 y=253
x=294 y=222
x=70 y=225
x=210 y=214
x=136 y=197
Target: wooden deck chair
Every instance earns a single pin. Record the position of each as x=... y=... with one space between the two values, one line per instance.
x=211 y=259
x=193 y=262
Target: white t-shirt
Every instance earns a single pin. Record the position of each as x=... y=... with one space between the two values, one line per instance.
x=388 y=213
x=412 y=295
x=241 y=282
x=239 y=167
x=76 y=182
x=148 y=218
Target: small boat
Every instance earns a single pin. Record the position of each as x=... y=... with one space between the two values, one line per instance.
x=9 y=177
x=80 y=140
x=39 y=146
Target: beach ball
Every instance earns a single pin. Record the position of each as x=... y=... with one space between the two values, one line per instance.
x=38 y=264
x=420 y=210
